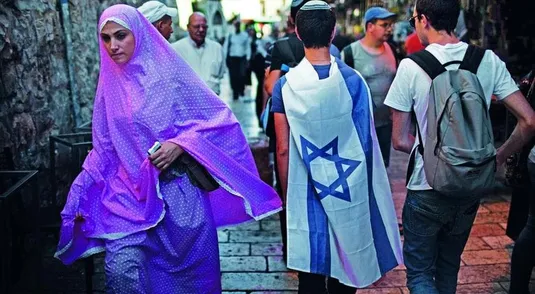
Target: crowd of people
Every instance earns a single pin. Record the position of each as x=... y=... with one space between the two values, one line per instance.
x=332 y=116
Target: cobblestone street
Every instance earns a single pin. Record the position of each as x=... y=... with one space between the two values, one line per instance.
x=251 y=256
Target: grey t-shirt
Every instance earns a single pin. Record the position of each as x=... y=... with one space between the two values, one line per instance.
x=378 y=70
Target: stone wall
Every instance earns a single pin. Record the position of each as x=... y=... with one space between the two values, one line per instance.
x=35 y=99
x=34 y=90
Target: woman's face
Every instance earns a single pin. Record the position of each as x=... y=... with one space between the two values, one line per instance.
x=118 y=41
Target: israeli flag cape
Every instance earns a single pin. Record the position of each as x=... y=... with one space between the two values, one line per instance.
x=341 y=217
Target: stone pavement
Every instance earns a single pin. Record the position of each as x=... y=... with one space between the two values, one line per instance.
x=251 y=257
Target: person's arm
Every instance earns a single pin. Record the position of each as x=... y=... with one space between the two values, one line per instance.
x=402 y=139
x=217 y=71
x=271 y=79
x=282 y=135
x=525 y=128
x=507 y=92
x=400 y=100
x=221 y=63
x=282 y=130
x=166 y=155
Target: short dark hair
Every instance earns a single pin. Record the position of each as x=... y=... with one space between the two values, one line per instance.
x=315 y=27
x=442 y=15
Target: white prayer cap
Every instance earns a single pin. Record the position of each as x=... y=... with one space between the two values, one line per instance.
x=316 y=5
x=155 y=10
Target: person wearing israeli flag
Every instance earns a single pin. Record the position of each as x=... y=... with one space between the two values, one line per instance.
x=341 y=223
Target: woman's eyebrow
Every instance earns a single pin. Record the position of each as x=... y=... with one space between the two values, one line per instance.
x=119 y=31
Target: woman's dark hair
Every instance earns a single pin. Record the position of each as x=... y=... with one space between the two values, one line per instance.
x=315 y=27
x=442 y=14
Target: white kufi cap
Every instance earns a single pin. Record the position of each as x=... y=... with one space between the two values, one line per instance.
x=155 y=10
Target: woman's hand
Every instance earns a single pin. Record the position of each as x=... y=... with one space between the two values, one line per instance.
x=168 y=153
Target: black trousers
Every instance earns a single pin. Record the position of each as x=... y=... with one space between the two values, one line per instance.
x=282 y=213
x=318 y=284
x=237 y=70
x=384 y=136
x=523 y=258
x=259 y=73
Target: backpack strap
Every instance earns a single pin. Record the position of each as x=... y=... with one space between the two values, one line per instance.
x=419 y=149
x=348 y=56
x=472 y=58
x=428 y=63
x=433 y=68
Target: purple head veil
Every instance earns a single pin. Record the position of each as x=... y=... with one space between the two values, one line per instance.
x=155 y=96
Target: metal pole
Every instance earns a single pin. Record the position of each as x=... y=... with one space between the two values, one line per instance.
x=70 y=55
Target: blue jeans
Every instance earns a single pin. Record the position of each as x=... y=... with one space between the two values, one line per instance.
x=436 y=229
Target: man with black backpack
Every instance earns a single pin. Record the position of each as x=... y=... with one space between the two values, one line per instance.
x=448 y=86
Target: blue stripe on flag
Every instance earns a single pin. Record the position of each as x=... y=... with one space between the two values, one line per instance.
x=361 y=117
x=320 y=249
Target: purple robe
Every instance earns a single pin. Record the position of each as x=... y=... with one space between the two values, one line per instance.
x=156 y=96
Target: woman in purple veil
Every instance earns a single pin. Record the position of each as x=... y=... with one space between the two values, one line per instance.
x=159 y=233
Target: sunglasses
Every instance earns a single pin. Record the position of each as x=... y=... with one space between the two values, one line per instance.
x=412 y=21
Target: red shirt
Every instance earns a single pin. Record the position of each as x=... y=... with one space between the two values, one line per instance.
x=412 y=44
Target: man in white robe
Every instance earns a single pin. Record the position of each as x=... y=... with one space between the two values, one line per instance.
x=203 y=55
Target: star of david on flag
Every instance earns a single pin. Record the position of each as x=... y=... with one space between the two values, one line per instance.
x=344 y=167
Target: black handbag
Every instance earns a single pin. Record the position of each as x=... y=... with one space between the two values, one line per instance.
x=197 y=174
x=186 y=164
x=516 y=170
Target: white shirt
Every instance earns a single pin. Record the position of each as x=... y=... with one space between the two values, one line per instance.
x=207 y=61
x=532 y=155
x=410 y=90
x=240 y=45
